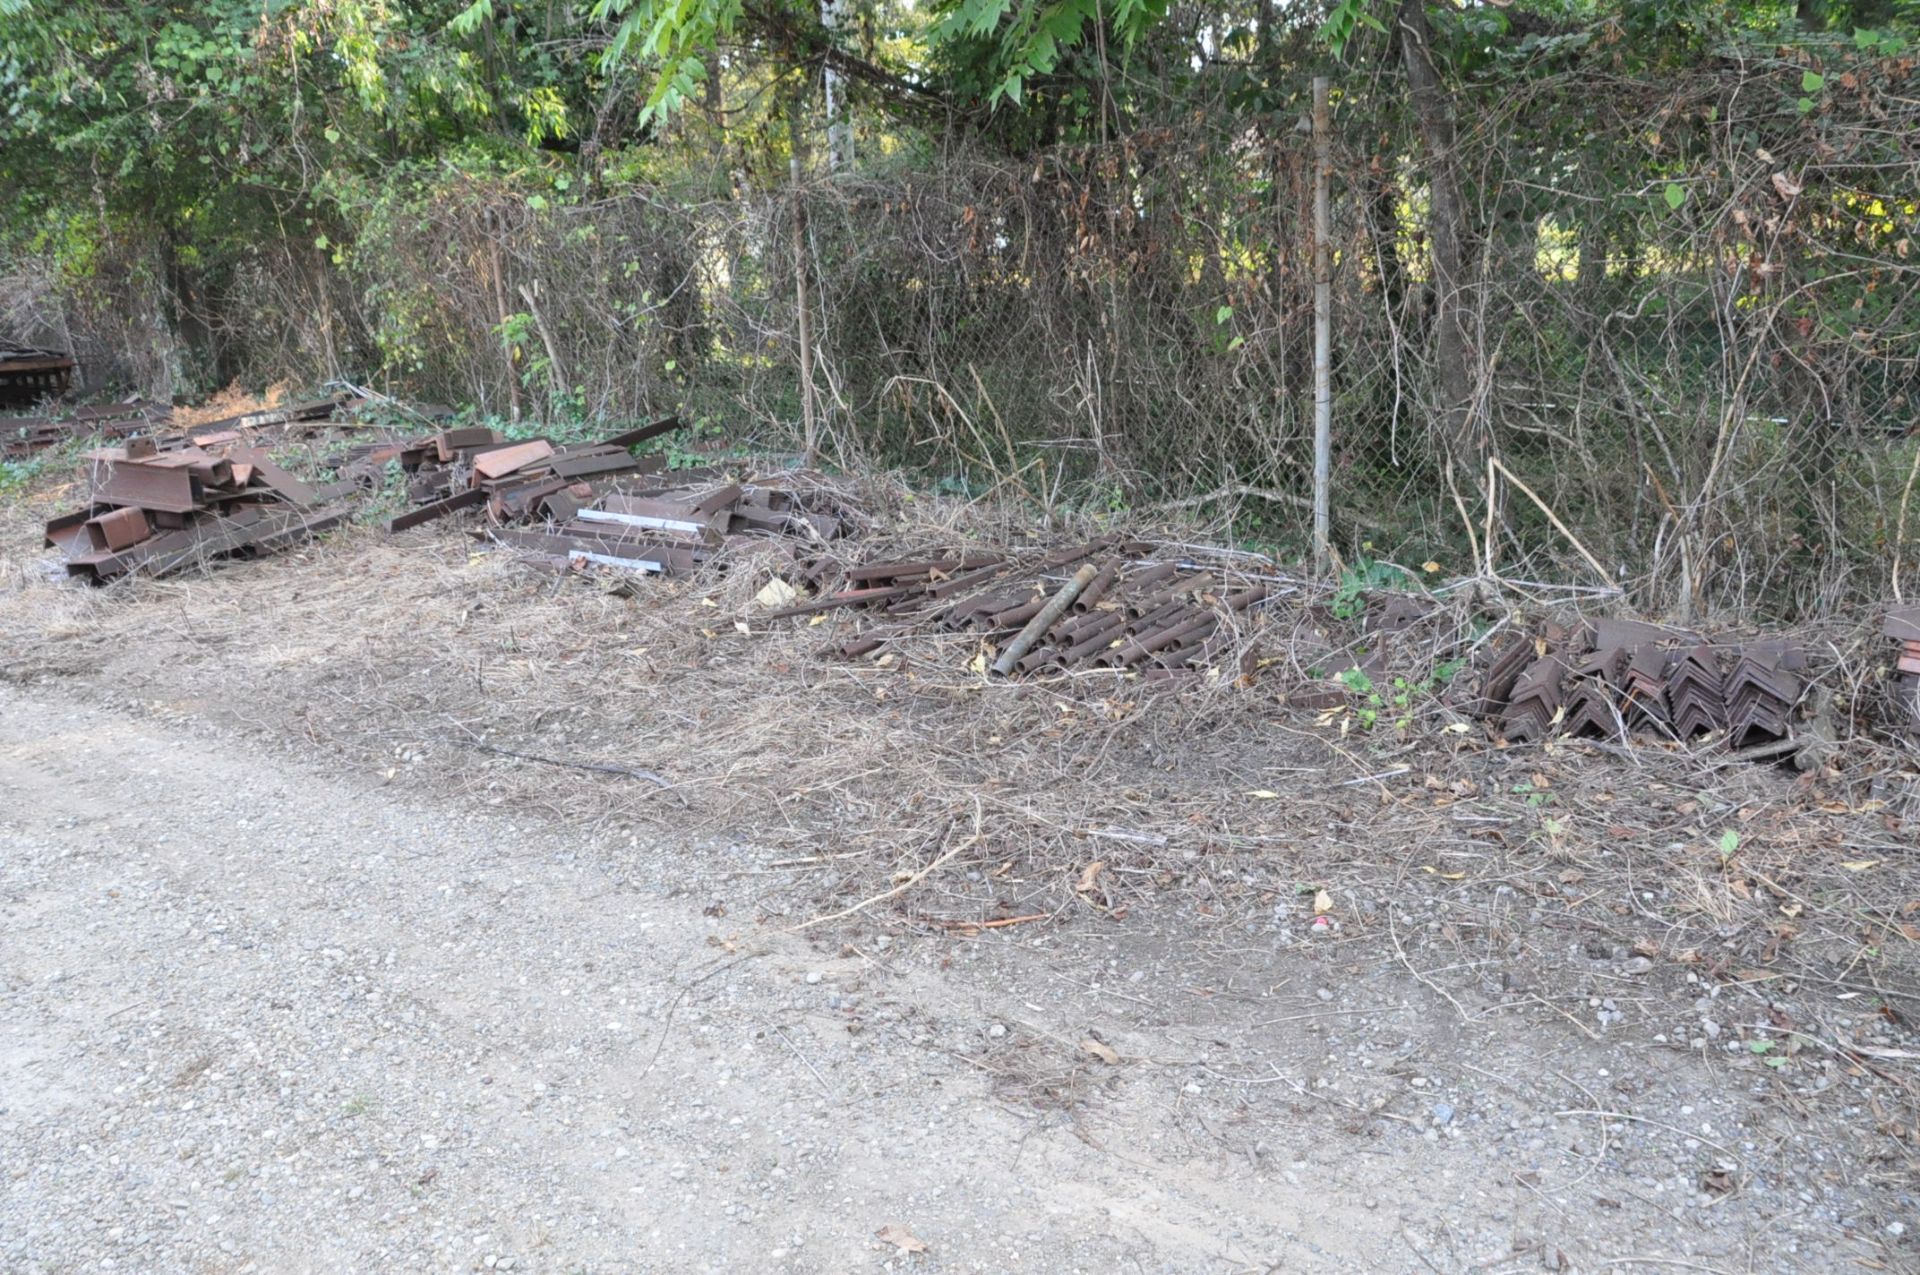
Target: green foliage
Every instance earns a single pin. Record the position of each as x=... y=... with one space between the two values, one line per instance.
x=1344 y=19
x=1363 y=574
x=1398 y=699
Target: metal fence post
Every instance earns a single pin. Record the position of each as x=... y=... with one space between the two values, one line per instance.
x=1322 y=332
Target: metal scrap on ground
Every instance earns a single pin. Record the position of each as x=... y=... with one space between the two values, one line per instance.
x=1903 y=626
x=24 y=435
x=29 y=374
x=1617 y=678
x=157 y=511
x=1113 y=604
x=1164 y=619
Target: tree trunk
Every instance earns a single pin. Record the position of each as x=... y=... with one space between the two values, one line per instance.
x=1458 y=363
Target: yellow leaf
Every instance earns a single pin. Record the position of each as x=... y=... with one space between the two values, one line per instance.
x=1444 y=876
x=818 y=619
x=708 y=602
x=1429 y=567
x=776 y=593
x=1860 y=865
x=1458 y=728
x=1322 y=902
x=979 y=664
x=1264 y=794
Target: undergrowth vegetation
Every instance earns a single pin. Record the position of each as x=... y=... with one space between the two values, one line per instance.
x=1621 y=292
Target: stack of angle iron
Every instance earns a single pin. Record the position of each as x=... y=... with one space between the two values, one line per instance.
x=1903 y=626
x=1613 y=678
x=153 y=511
x=668 y=531
x=1162 y=619
x=589 y=505
x=515 y=480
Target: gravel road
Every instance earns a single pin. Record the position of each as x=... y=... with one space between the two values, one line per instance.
x=261 y=1016
x=253 y=1018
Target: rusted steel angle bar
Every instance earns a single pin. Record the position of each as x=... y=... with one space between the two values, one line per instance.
x=146 y=486
x=438 y=509
x=854 y=597
x=499 y=462
x=121 y=529
x=595 y=463
x=633 y=437
x=290 y=489
x=675 y=557
x=894 y=570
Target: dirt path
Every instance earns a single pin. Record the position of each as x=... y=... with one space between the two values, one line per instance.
x=255 y=1017
x=258 y=1019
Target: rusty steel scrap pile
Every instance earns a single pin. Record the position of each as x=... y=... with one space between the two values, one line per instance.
x=1113 y=605
x=589 y=507
x=21 y=436
x=158 y=511
x=157 y=505
x=1166 y=619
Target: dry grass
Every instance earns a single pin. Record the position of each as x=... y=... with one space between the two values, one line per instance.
x=235 y=400
x=1509 y=879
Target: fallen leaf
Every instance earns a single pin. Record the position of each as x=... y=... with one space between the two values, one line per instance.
x=818 y=619
x=1787 y=187
x=1264 y=794
x=1101 y=1050
x=1322 y=902
x=1860 y=865
x=1090 y=874
x=777 y=593
x=1429 y=567
x=740 y=626
x=901 y=1238
x=1444 y=876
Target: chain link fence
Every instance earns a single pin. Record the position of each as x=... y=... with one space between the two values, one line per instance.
x=1693 y=306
